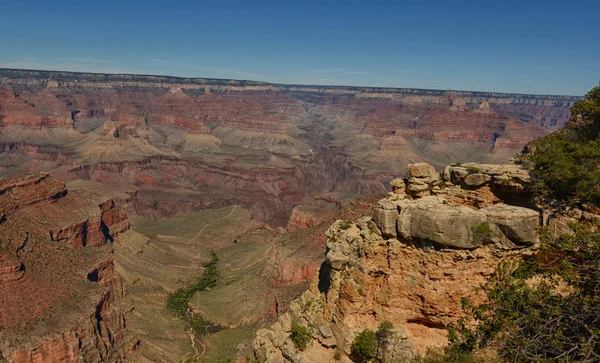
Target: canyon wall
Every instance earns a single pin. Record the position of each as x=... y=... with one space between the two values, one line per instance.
x=58 y=282
x=183 y=144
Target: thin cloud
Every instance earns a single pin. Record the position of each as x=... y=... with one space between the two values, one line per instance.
x=331 y=70
x=84 y=60
x=163 y=61
x=356 y=73
x=300 y=69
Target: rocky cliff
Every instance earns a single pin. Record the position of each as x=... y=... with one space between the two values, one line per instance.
x=432 y=241
x=182 y=144
x=57 y=276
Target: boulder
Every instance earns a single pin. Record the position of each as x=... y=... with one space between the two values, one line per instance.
x=446 y=175
x=519 y=224
x=386 y=221
x=477 y=180
x=398 y=186
x=423 y=178
x=421 y=170
x=433 y=219
x=387 y=213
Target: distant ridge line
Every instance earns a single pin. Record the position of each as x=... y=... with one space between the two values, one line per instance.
x=71 y=76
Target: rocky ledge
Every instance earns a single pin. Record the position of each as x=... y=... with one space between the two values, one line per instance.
x=433 y=240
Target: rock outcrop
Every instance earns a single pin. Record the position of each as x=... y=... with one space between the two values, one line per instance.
x=58 y=282
x=411 y=265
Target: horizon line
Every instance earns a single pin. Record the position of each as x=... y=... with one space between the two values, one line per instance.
x=283 y=84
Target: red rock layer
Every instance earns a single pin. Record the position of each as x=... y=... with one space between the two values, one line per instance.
x=55 y=300
x=187 y=144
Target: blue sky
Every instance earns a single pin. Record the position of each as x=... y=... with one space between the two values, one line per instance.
x=543 y=47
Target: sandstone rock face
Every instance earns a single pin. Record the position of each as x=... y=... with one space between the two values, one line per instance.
x=385 y=269
x=450 y=217
x=304 y=216
x=506 y=177
x=56 y=301
x=477 y=179
x=398 y=186
x=519 y=224
x=421 y=171
x=386 y=215
x=368 y=279
x=431 y=219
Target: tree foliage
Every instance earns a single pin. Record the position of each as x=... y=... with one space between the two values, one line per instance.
x=385 y=335
x=364 y=346
x=300 y=336
x=546 y=308
x=566 y=164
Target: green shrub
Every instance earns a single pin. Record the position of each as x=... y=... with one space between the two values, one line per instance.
x=364 y=346
x=385 y=335
x=337 y=355
x=566 y=164
x=345 y=224
x=553 y=319
x=445 y=355
x=482 y=233
x=300 y=336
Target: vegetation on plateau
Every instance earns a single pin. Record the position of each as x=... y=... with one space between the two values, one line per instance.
x=566 y=164
x=177 y=302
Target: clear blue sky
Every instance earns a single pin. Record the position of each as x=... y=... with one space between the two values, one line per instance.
x=527 y=46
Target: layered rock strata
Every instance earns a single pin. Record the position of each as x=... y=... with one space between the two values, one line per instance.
x=57 y=276
x=410 y=264
x=185 y=144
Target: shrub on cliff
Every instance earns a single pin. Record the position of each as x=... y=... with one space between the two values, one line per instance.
x=385 y=335
x=566 y=164
x=481 y=233
x=300 y=336
x=364 y=346
x=546 y=308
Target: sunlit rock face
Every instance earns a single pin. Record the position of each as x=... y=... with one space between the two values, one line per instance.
x=177 y=144
x=57 y=275
x=411 y=263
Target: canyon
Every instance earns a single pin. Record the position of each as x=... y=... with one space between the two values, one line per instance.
x=116 y=189
x=171 y=145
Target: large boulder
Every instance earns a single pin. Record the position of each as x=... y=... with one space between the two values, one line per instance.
x=433 y=219
x=422 y=179
x=519 y=224
x=386 y=214
x=421 y=170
